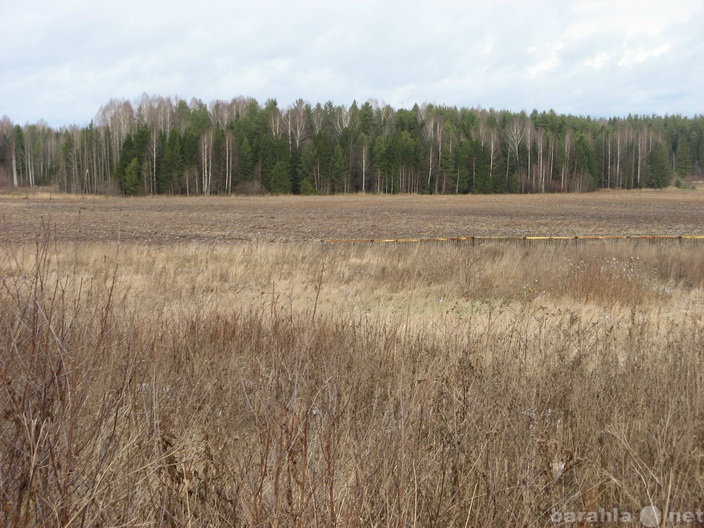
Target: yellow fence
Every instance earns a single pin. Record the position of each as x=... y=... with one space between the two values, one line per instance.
x=476 y=240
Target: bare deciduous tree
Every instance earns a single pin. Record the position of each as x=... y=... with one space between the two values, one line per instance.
x=296 y=123
x=514 y=136
x=540 y=144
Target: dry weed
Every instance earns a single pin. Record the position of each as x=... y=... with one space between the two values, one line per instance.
x=309 y=385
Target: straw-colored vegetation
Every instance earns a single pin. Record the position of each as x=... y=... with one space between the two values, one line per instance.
x=305 y=384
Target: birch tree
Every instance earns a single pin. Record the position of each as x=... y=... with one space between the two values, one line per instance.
x=514 y=135
x=540 y=147
x=566 y=159
x=296 y=123
x=363 y=142
x=206 y=160
x=223 y=114
x=429 y=131
x=530 y=174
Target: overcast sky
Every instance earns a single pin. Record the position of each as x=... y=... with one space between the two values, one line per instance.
x=61 y=60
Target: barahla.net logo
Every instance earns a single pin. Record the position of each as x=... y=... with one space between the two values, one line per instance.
x=649 y=516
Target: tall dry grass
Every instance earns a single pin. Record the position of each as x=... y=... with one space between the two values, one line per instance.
x=309 y=385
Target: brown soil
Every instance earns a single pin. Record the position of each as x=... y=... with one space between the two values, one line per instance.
x=166 y=220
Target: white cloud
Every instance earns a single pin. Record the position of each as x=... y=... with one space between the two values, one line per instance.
x=642 y=54
x=599 y=60
x=62 y=59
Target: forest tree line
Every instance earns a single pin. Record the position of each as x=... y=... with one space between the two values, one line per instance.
x=160 y=145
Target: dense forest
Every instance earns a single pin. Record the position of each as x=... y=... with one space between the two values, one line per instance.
x=160 y=145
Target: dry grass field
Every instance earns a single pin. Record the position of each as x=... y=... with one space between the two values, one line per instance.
x=209 y=362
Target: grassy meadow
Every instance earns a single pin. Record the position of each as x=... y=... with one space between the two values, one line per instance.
x=260 y=382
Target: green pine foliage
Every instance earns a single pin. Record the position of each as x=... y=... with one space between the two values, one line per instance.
x=130 y=183
x=658 y=167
